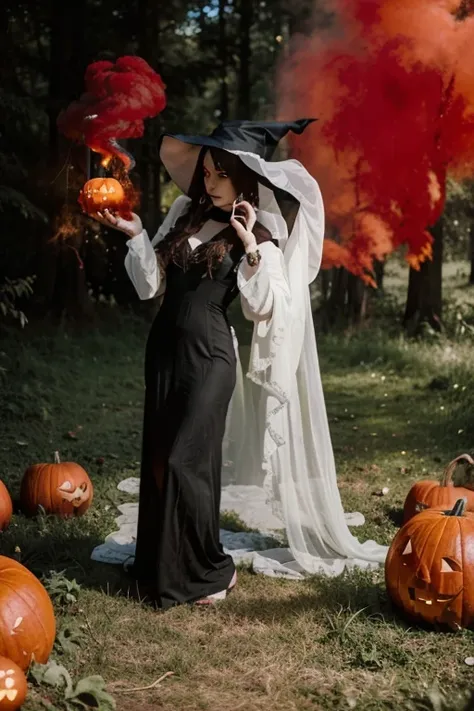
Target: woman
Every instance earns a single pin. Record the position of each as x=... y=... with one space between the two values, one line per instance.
x=203 y=256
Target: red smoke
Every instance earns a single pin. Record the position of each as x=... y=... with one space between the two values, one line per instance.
x=117 y=99
x=393 y=87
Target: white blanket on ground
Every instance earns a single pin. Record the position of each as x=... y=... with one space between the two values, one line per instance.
x=259 y=550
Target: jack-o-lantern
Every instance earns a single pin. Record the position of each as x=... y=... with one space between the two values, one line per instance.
x=429 y=569
x=100 y=193
x=62 y=488
x=6 y=507
x=426 y=494
x=27 y=623
x=13 y=687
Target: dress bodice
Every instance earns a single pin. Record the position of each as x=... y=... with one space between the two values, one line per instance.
x=195 y=284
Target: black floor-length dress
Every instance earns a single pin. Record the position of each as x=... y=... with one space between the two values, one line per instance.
x=190 y=373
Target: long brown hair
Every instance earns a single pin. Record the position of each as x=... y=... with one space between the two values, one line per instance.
x=173 y=248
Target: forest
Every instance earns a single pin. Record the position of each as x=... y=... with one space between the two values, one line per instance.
x=218 y=61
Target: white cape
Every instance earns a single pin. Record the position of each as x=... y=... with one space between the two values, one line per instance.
x=290 y=434
x=261 y=550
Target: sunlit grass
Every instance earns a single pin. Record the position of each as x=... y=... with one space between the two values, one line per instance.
x=398 y=411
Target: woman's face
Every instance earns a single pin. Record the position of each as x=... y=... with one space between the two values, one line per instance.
x=218 y=185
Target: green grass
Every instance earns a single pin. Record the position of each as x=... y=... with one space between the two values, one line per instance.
x=274 y=645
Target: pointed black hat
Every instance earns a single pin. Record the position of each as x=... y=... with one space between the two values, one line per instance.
x=179 y=152
x=259 y=137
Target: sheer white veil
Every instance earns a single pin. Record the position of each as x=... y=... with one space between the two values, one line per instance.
x=277 y=429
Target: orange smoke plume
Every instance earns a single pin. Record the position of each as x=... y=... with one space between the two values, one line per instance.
x=393 y=87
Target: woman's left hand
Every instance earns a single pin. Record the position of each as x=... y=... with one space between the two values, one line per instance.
x=244 y=224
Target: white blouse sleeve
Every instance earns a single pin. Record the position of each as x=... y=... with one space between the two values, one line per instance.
x=140 y=261
x=259 y=286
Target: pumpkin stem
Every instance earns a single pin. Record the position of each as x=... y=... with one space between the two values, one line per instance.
x=56 y=458
x=458 y=508
x=450 y=469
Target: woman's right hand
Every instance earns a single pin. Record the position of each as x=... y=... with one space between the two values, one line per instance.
x=131 y=228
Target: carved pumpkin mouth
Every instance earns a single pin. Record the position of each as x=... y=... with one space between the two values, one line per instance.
x=9 y=694
x=75 y=497
x=430 y=601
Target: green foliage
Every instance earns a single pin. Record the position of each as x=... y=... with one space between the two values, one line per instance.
x=22 y=125
x=87 y=693
x=10 y=292
x=14 y=200
x=69 y=640
x=62 y=591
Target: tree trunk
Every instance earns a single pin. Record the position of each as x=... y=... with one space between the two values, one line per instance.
x=149 y=167
x=223 y=62
x=61 y=287
x=379 y=270
x=345 y=299
x=357 y=293
x=67 y=63
x=424 y=299
x=244 y=94
x=471 y=245
x=336 y=304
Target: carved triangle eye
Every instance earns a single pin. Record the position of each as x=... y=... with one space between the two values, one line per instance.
x=408 y=548
x=448 y=565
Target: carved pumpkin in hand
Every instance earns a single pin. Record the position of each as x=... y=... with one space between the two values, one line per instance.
x=62 y=488
x=13 y=687
x=27 y=623
x=429 y=569
x=426 y=494
x=100 y=193
x=6 y=507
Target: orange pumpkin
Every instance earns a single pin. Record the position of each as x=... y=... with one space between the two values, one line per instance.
x=100 y=193
x=429 y=570
x=426 y=494
x=27 y=623
x=6 y=507
x=62 y=488
x=13 y=687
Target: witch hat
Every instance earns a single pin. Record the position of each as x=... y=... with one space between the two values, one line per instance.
x=179 y=153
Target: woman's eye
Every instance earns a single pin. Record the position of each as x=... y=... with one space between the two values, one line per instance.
x=223 y=175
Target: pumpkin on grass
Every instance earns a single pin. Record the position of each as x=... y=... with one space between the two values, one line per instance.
x=426 y=494
x=13 y=687
x=100 y=193
x=61 y=488
x=429 y=570
x=6 y=507
x=27 y=623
